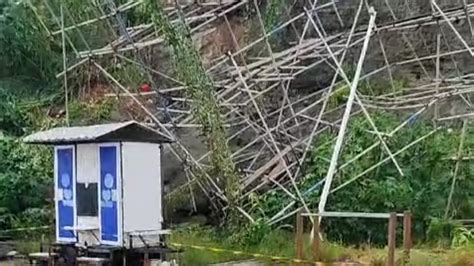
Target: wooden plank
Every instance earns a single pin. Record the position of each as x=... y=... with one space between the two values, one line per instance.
x=352 y=215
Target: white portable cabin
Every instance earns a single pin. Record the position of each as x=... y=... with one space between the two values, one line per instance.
x=108 y=185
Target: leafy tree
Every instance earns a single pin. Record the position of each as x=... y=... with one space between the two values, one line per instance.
x=27 y=52
x=25 y=177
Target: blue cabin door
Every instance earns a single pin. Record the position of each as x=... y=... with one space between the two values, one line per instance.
x=110 y=195
x=64 y=180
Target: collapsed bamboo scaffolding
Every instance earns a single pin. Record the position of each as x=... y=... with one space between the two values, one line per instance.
x=249 y=78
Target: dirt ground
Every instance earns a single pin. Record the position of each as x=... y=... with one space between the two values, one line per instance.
x=15 y=262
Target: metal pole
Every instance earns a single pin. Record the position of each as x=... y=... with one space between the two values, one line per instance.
x=347 y=113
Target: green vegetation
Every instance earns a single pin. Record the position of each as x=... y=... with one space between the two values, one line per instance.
x=273 y=14
x=84 y=113
x=27 y=53
x=200 y=89
x=367 y=87
x=25 y=171
x=25 y=179
x=423 y=189
x=272 y=243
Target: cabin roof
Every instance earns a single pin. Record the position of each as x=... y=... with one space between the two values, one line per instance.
x=131 y=131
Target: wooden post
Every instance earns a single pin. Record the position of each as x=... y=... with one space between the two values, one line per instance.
x=124 y=257
x=316 y=240
x=299 y=235
x=392 y=226
x=407 y=241
x=146 y=259
x=50 y=257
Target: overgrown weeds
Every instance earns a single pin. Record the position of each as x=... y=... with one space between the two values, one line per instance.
x=281 y=243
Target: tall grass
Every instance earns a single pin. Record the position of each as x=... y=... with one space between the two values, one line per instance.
x=281 y=243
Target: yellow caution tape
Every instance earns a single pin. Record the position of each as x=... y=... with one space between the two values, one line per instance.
x=236 y=252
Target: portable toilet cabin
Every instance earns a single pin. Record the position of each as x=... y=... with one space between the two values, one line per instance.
x=107 y=183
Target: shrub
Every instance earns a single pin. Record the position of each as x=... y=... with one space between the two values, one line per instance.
x=423 y=189
x=25 y=178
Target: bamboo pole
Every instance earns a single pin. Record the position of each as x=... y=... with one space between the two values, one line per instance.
x=466 y=12
x=281 y=218
x=38 y=17
x=392 y=133
x=236 y=44
x=460 y=116
x=81 y=35
x=438 y=44
x=410 y=45
x=387 y=64
x=328 y=93
x=59 y=24
x=191 y=191
x=339 y=68
x=69 y=69
x=433 y=2
x=333 y=2
x=66 y=92
x=124 y=7
x=274 y=64
x=379 y=136
x=270 y=135
x=456 y=168
x=399 y=63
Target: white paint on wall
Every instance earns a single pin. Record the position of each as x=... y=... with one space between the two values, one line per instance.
x=87 y=163
x=141 y=187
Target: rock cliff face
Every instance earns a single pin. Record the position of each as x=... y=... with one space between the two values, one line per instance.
x=402 y=53
x=404 y=44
